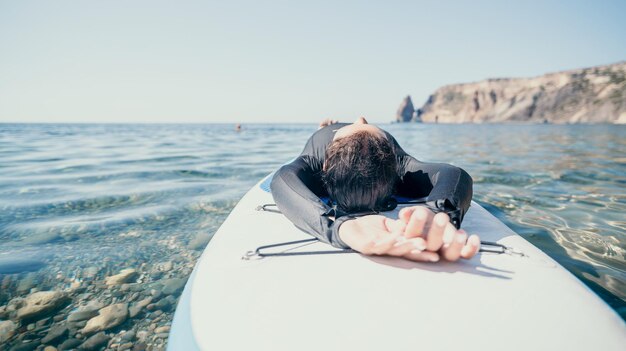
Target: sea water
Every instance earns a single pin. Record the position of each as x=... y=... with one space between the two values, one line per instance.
x=79 y=203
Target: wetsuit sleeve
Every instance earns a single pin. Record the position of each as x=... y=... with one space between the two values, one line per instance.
x=445 y=188
x=291 y=187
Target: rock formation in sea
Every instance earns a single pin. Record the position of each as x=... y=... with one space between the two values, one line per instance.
x=406 y=110
x=589 y=95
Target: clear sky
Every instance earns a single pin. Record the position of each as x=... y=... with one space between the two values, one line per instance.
x=278 y=61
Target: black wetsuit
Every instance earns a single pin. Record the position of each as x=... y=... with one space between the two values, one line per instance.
x=298 y=189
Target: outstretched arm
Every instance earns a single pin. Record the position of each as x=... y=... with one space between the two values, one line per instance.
x=446 y=188
x=291 y=188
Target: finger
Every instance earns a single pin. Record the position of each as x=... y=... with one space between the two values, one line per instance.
x=440 y=222
x=422 y=256
x=449 y=233
x=417 y=222
x=453 y=252
x=383 y=245
x=404 y=246
x=471 y=248
x=405 y=214
x=396 y=229
x=395 y=226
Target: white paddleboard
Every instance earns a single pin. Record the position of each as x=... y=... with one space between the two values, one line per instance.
x=356 y=302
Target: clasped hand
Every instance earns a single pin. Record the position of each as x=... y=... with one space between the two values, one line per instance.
x=418 y=235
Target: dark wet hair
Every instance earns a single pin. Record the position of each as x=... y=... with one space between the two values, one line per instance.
x=360 y=172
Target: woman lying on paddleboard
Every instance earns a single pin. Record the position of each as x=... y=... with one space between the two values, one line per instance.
x=348 y=173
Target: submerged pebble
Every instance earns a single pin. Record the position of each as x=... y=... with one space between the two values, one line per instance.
x=173 y=286
x=136 y=308
x=27 y=346
x=41 y=303
x=82 y=315
x=163 y=329
x=108 y=317
x=55 y=334
x=124 y=276
x=28 y=282
x=7 y=330
x=69 y=344
x=128 y=336
x=125 y=346
x=95 y=341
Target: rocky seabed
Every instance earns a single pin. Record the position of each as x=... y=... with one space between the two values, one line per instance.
x=96 y=309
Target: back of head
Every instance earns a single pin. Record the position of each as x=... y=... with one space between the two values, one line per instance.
x=360 y=172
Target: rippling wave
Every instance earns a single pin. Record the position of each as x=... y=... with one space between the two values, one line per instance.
x=78 y=200
x=561 y=187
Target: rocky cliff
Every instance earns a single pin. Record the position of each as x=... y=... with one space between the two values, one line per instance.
x=405 y=111
x=590 y=95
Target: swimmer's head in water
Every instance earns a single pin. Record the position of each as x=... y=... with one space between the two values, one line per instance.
x=360 y=168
